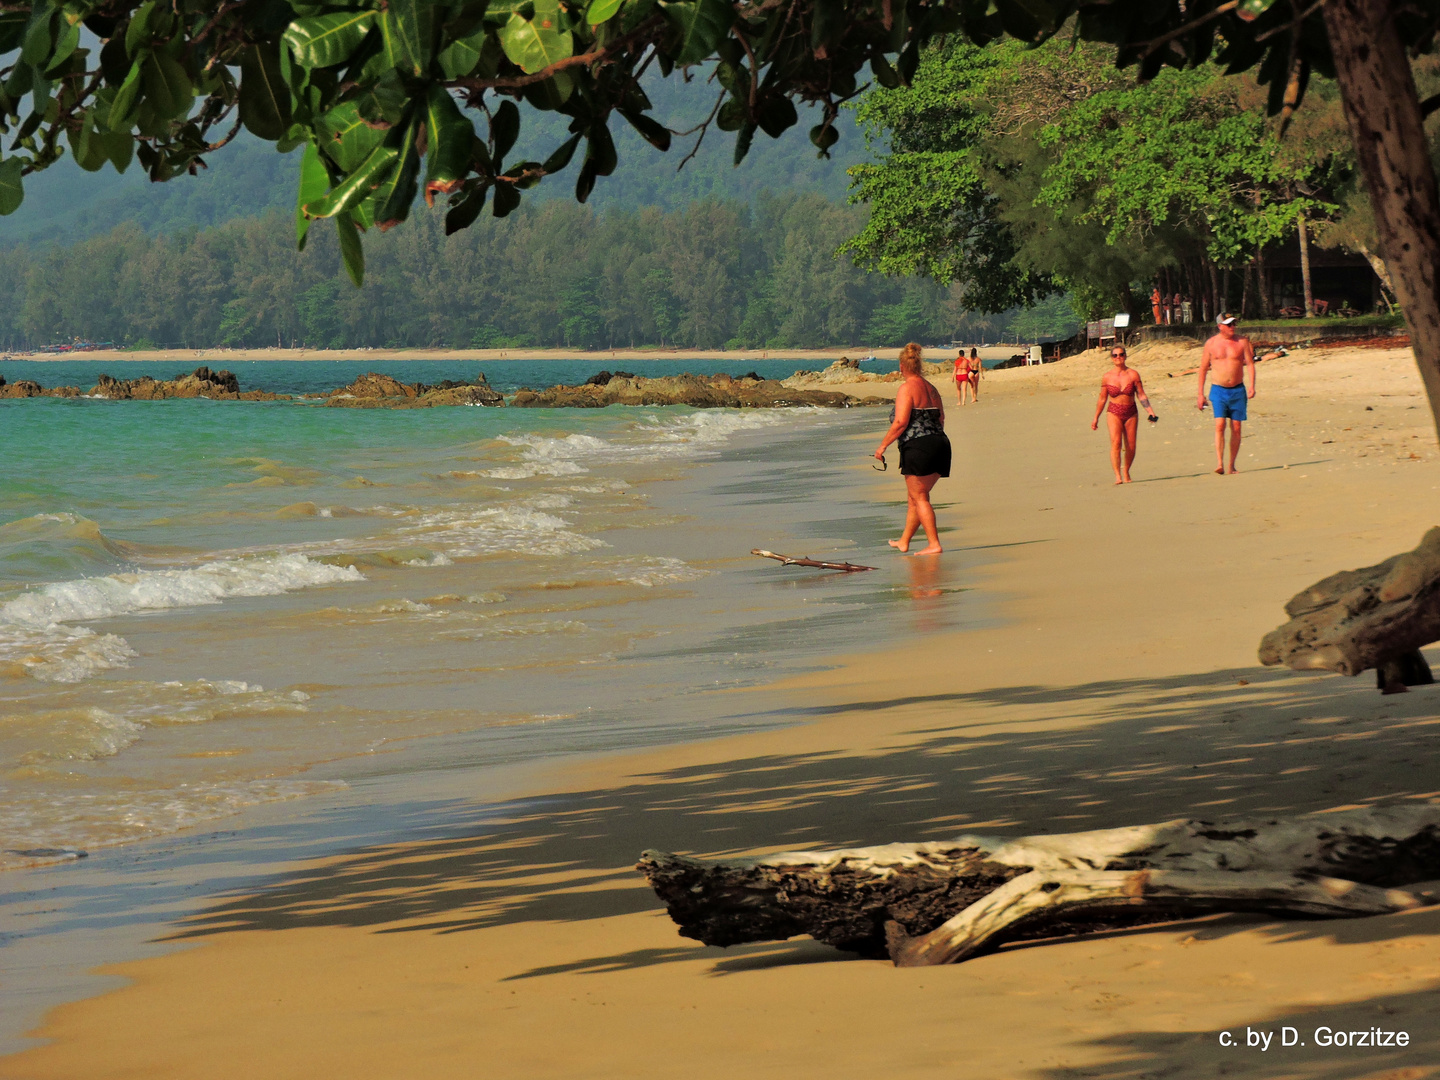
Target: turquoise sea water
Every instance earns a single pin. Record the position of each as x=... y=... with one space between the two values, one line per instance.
x=205 y=606
x=317 y=376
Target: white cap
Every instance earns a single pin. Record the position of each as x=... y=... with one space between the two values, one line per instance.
x=1226 y=319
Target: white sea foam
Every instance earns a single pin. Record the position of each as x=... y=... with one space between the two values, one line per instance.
x=491 y=530
x=157 y=590
x=656 y=570
x=34 y=630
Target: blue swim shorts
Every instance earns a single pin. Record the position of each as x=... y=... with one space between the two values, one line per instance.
x=1228 y=401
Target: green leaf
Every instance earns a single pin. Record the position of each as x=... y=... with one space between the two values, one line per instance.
x=358 y=185
x=884 y=74
x=651 y=131
x=699 y=26
x=561 y=157
x=504 y=130
x=507 y=198
x=12 y=191
x=384 y=102
x=463 y=214
x=409 y=29
x=551 y=94
x=38 y=38
x=137 y=34
x=167 y=86
x=392 y=200
x=314 y=181
x=345 y=138
x=65 y=44
x=450 y=142
x=775 y=115
x=264 y=97
x=326 y=40
x=120 y=148
x=12 y=29
x=352 y=252
x=600 y=11
x=122 y=110
x=532 y=45
x=460 y=57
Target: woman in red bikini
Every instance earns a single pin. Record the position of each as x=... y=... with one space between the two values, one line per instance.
x=1121 y=388
x=962 y=375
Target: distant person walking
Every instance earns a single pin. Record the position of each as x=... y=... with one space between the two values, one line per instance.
x=976 y=367
x=1121 y=388
x=962 y=376
x=917 y=423
x=1229 y=360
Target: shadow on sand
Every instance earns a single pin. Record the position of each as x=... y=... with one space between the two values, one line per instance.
x=1012 y=760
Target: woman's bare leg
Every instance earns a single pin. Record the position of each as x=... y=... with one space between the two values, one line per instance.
x=1117 y=434
x=1132 y=428
x=918 y=488
x=912 y=519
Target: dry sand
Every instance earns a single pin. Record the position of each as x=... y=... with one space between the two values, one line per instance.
x=1121 y=686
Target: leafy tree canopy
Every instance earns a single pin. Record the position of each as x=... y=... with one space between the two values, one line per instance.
x=1014 y=170
x=374 y=89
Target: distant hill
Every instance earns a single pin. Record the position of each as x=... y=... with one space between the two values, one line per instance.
x=248 y=177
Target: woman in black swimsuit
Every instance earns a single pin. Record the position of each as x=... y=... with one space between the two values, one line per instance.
x=918 y=424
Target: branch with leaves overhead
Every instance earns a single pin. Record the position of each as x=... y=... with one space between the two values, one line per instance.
x=385 y=95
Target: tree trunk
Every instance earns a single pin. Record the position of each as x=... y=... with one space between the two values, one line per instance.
x=939 y=903
x=1305 y=269
x=1245 y=290
x=1386 y=125
x=1262 y=284
x=1387 y=288
x=1224 y=304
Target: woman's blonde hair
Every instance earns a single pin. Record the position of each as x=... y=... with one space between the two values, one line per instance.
x=910 y=362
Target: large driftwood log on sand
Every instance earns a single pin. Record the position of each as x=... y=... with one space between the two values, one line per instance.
x=940 y=903
x=1376 y=617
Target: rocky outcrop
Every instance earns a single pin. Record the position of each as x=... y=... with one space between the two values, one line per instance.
x=375 y=391
x=200 y=383
x=25 y=388
x=699 y=391
x=844 y=370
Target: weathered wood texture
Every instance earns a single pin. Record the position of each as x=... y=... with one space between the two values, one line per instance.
x=1376 y=617
x=943 y=902
x=791 y=560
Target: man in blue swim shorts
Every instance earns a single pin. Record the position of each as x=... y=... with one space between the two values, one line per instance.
x=1229 y=360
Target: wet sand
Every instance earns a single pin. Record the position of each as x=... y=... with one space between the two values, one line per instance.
x=1120 y=687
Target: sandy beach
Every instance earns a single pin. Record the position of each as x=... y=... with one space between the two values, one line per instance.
x=1119 y=685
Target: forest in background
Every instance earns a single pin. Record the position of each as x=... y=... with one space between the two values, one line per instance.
x=715 y=274
x=707 y=256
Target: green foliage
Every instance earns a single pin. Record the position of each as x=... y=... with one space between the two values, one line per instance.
x=1016 y=171
x=165 y=75
x=552 y=274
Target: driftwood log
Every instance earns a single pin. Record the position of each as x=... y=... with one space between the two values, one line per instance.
x=1377 y=617
x=940 y=903
x=790 y=560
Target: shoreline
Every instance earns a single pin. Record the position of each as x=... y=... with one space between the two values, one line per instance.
x=1119 y=687
x=219 y=355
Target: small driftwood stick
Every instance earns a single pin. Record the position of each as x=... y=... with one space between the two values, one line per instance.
x=1377 y=617
x=944 y=902
x=788 y=560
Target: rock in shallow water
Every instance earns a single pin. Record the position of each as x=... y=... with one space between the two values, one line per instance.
x=701 y=392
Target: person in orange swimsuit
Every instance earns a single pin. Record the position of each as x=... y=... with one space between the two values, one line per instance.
x=1121 y=388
